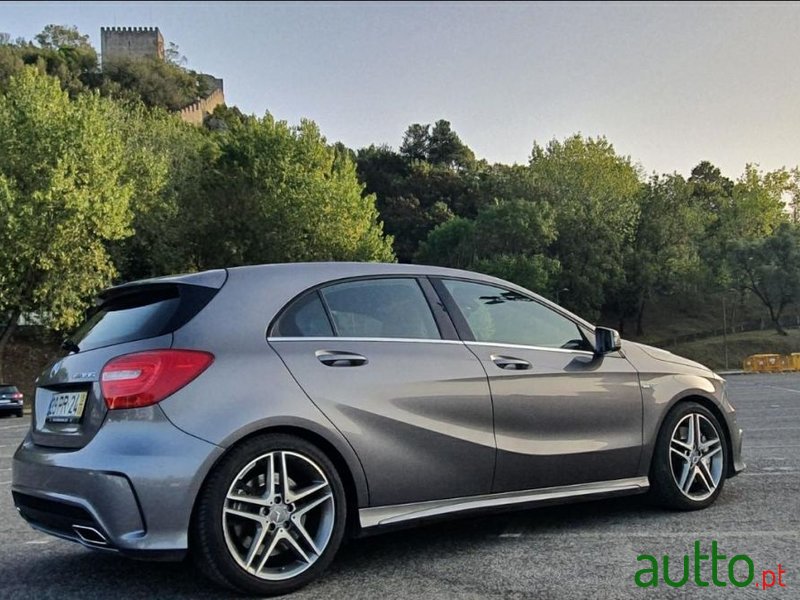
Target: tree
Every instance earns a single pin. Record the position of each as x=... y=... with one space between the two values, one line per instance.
x=594 y=192
x=62 y=197
x=173 y=55
x=166 y=162
x=281 y=194
x=664 y=251
x=770 y=268
x=155 y=82
x=55 y=37
x=415 y=142
x=508 y=239
x=446 y=148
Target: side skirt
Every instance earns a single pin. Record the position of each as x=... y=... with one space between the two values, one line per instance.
x=398 y=513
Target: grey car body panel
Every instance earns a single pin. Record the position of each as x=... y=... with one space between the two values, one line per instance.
x=165 y=468
x=570 y=418
x=229 y=404
x=413 y=426
x=666 y=379
x=435 y=413
x=79 y=372
x=212 y=279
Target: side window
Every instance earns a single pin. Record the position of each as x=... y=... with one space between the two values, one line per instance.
x=387 y=308
x=502 y=316
x=305 y=318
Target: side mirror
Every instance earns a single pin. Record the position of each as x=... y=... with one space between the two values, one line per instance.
x=606 y=340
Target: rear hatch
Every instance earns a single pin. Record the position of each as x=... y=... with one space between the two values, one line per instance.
x=68 y=407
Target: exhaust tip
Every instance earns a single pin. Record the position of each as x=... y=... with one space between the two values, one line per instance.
x=90 y=535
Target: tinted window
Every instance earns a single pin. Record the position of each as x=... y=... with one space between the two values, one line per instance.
x=388 y=308
x=502 y=316
x=8 y=389
x=304 y=318
x=140 y=314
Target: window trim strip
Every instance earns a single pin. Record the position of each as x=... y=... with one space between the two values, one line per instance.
x=360 y=339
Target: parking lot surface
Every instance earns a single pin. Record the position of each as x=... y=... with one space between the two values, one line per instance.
x=586 y=550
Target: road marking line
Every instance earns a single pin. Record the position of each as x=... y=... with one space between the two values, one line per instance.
x=750 y=447
x=793 y=427
x=38 y=542
x=510 y=535
x=4 y=482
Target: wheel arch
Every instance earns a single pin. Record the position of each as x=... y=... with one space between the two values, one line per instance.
x=354 y=483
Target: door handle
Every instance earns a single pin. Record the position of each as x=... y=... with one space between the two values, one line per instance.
x=334 y=358
x=510 y=363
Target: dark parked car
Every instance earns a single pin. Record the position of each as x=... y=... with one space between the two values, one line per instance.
x=259 y=414
x=10 y=399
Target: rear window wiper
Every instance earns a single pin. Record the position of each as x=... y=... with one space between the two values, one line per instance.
x=70 y=346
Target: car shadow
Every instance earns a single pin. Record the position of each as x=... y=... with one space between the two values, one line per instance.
x=67 y=573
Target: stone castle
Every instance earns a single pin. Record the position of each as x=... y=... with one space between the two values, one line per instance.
x=147 y=42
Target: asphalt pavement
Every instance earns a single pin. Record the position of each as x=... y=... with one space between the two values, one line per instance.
x=586 y=550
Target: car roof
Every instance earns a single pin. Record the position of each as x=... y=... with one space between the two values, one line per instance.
x=293 y=278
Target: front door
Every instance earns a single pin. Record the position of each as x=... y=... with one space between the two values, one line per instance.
x=562 y=415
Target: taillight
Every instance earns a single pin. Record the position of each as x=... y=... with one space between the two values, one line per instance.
x=16 y=396
x=145 y=378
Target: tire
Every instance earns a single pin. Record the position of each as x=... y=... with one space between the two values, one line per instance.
x=689 y=473
x=222 y=538
x=19 y=413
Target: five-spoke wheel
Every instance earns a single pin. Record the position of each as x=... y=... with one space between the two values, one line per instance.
x=271 y=516
x=690 y=458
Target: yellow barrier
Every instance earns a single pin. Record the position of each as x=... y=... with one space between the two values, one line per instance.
x=772 y=363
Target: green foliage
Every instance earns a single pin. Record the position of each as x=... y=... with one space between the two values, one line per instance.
x=62 y=197
x=439 y=145
x=167 y=162
x=663 y=253
x=594 y=192
x=769 y=267
x=155 y=82
x=507 y=239
x=281 y=194
x=56 y=37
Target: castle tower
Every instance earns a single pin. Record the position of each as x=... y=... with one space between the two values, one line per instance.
x=131 y=42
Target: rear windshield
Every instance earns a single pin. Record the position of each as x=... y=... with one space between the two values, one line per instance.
x=140 y=314
x=8 y=389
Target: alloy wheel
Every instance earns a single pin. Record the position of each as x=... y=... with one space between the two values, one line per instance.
x=278 y=515
x=696 y=456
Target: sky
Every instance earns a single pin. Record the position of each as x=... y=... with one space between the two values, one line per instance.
x=669 y=84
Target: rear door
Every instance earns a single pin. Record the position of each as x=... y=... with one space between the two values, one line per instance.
x=562 y=415
x=381 y=359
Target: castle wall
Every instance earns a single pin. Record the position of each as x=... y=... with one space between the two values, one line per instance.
x=197 y=112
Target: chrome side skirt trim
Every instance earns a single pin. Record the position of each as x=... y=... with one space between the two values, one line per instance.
x=387 y=515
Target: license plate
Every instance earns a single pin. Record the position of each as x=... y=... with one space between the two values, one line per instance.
x=66 y=407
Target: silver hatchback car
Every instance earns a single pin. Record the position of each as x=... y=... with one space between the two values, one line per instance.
x=256 y=415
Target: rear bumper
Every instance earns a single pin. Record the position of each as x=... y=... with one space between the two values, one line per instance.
x=11 y=407
x=131 y=489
